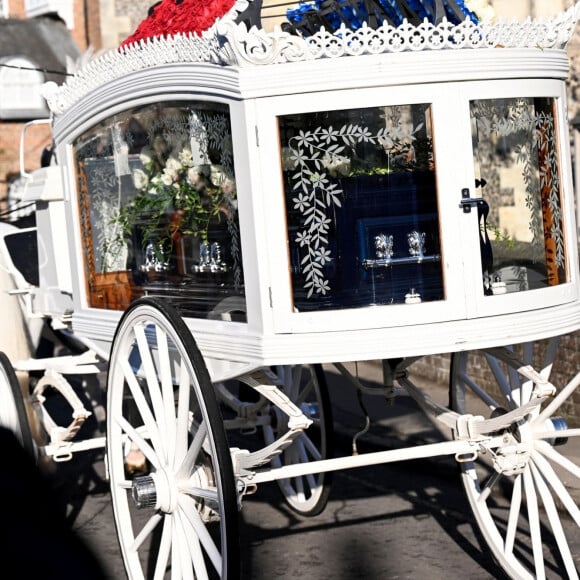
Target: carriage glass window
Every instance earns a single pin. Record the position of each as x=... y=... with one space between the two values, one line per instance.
x=515 y=153
x=361 y=207
x=157 y=195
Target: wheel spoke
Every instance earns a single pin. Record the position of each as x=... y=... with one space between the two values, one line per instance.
x=555 y=481
x=142 y=405
x=563 y=434
x=196 y=562
x=488 y=487
x=143 y=446
x=189 y=510
x=305 y=393
x=295 y=384
x=526 y=392
x=526 y=388
x=550 y=357
x=548 y=451
x=528 y=353
x=558 y=400
x=514 y=515
x=501 y=380
x=308 y=445
x=176 y=552
x=151 y=376
x=477 y=390
x=181 y=549
x=167 y=393
x=534 y=523
x=555 y=522
x=299 y=489
x=164 y=552
x=146 y=531
x=200 y=493
x=183 y=416
x=193 y=452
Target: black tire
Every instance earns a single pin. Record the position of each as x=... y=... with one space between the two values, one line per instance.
x=12 y=408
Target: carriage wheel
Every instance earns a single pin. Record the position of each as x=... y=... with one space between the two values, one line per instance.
x=181 y=517
x=12 y=409
x=522 y=494
x=305 y=386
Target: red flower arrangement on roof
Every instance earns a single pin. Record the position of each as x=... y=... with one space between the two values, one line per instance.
x=169 y=17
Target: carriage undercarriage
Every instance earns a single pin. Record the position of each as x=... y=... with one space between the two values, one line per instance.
x=190 y=482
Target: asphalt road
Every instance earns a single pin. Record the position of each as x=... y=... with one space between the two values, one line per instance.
x=404 y=520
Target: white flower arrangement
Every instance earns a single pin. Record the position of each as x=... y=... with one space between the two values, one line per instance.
x=176 y=197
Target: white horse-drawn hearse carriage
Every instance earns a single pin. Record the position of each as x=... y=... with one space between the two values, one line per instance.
x=229 y=211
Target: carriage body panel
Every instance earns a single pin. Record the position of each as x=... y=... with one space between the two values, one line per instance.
x=278 y=318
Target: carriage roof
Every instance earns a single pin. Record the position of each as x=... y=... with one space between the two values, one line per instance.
x=231 y=44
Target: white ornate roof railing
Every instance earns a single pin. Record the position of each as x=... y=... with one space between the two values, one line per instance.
x=230 y=44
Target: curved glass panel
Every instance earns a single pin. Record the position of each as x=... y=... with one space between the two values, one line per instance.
x=515 y=153
x=361 y=206
x=158 y=209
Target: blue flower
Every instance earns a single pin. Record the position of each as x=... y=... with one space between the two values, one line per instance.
x=353 y=13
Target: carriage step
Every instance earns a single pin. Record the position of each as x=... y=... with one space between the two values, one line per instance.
x=60 y=437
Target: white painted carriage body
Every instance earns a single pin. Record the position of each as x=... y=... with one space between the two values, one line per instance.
x=259 y=83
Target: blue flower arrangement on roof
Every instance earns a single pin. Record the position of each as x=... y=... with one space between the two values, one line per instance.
x=309 y=17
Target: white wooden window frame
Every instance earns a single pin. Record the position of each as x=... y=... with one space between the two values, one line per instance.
x=480 y=305
x=461 y=264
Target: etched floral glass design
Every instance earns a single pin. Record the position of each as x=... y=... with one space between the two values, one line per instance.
x=158 y=208
x=515 y=153
x=361 y=207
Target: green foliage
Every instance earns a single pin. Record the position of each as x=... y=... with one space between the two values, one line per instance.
x=499 y=236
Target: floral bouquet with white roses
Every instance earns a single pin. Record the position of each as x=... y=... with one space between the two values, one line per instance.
x=176 y=197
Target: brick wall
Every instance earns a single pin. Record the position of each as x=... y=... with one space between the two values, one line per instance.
x=436 y=368
x=37 y=137
x=16 y=9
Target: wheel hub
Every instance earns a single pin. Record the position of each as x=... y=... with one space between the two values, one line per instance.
x=512 y=457
x=556 y=424
x=311 y=410
x=143 y=492
x=156 y=490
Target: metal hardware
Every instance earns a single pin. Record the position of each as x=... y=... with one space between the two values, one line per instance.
x=210 y=258
x=143 y=492
x=467 y=202
x=387 y=263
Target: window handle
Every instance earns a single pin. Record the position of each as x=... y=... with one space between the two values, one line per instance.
x=467 y=202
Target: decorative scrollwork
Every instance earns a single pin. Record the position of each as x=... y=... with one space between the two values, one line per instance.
x=230 y=44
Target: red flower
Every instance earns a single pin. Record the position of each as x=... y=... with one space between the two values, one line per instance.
x=170 y=17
